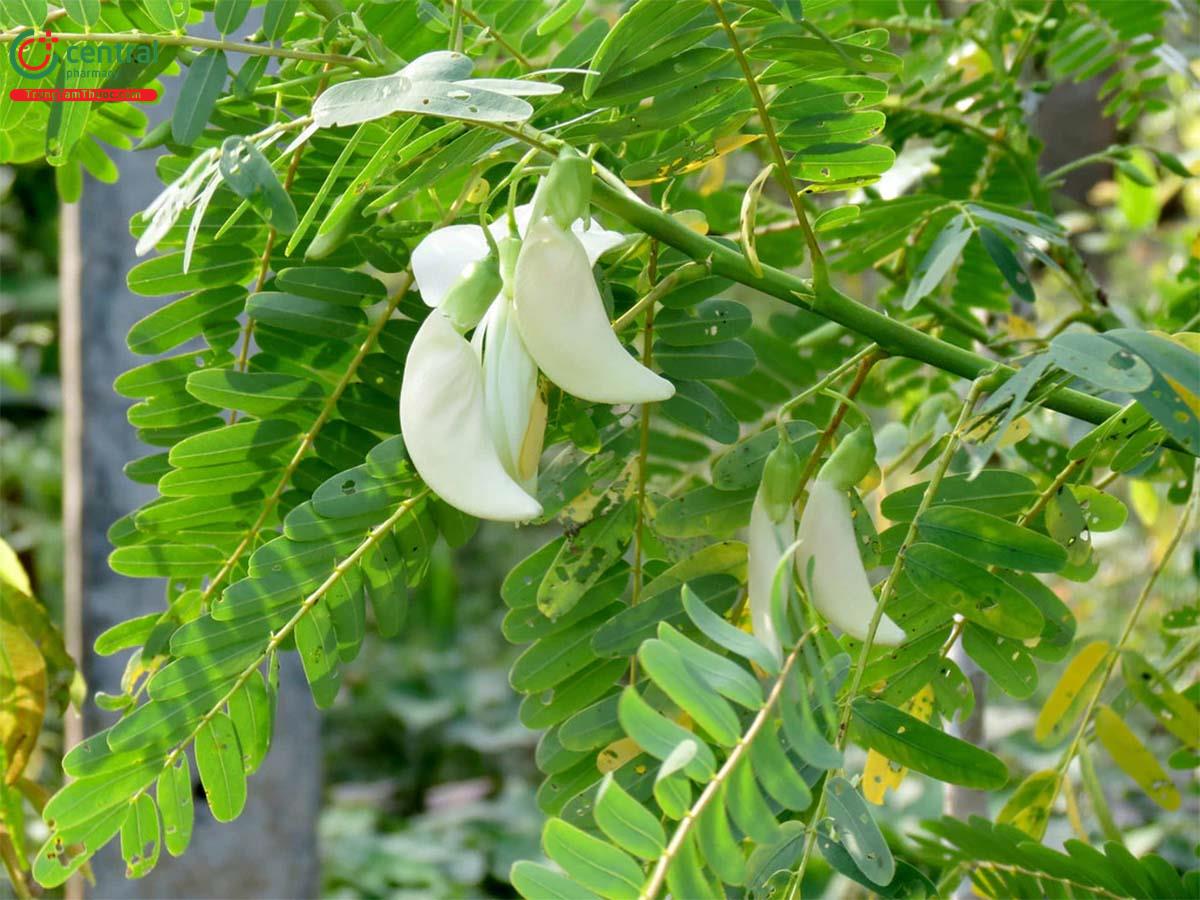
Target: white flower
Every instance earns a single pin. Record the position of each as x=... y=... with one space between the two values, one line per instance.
x=549 y=316
x=441 y=258
x=445 y=428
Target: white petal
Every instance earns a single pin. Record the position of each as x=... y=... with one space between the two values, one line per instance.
x=509 y=387
x=442 y=256
x=768 y=541
x=565 y=326
x=445 y=429
x=596 y=240
x=839 y=588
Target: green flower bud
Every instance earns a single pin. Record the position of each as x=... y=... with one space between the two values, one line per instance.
x=510 y=249
x=473 y=293
x=566 y=191
x=851 y=461
x=326 y=242
x=781 y=477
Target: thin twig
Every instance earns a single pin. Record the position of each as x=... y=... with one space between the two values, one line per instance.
x=658 y=876
x=187 y=40
x=782 y=175
x=884 y=595
x=1131 y=620
x=685 y=273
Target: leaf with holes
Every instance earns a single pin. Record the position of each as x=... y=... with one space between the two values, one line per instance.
x=222 y=772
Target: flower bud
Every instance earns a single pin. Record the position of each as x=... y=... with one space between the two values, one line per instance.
x=851 y=461
x=767 y=542
x=781 y=477
x=510 y=249
x=515 y=409
x=831 y=567
x=473 y=293
x=566 y=192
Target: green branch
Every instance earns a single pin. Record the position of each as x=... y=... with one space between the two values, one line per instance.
x=895 y=337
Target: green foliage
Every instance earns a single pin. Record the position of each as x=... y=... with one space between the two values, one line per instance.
x=683 y=750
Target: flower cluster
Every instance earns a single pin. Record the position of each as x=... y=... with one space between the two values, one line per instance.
x=471 y=411
x=825 y=547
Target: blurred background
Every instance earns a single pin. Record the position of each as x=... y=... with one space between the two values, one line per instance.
x=422 y=782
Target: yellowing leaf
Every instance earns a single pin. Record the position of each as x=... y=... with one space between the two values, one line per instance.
x=722 y=146
x=1066 y=701
x=1020 y=328
x=1073 y=811
x=881 y=773
x=1192 y=401
x=750 y=216
x=692 y=220
x=712 y=177
x=1128 y=752
x=22 y=697
x=1013 y=434
x=1029 y=806
x=12 y=573
x=617 y=754
x=1145 y=502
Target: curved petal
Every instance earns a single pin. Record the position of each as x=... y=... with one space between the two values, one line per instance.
x=445 y=428
x=768 y=541
x=839 y=588
x=565 y=326
x=439 y=260
x=596 y=240
x=509 y=389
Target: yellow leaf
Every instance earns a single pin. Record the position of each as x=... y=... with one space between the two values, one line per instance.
x=22 y=697
x=692 y=220
x=712 y=177
x=1073 y=811
x=881 y=773
x=12 y=573
x=1128 y=752
x=616 y=754
x=1190 y=400
x=1074 y=688
x=479 y=191
x=1029 y=806
x=1016 y=432
x=1188 y=340
x=1145 y=501
x=1020 y=328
